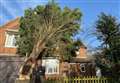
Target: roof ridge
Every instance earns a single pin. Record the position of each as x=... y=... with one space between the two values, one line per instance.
x=11 y=21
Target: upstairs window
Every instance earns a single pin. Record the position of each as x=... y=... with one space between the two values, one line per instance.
x=10 y=40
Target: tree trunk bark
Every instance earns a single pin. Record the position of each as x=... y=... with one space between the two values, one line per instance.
x=37 y=49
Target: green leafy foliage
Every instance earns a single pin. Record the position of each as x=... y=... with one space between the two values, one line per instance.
x=43 y=28
x=108 y=31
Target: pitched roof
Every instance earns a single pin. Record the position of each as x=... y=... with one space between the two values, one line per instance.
x=78 y=60
x=13 y=24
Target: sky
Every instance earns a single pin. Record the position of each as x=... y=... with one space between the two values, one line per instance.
x=10 y=9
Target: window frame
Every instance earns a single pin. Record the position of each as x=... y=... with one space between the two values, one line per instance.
x=82 y=65
x=52 y=69
x=7 y=35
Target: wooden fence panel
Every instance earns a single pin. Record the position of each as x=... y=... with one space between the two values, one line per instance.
x=75 y=80
x=87 y=80
x=22 y=81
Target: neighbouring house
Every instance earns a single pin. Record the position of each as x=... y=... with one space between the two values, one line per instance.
x=82 y=65
x=8 y=33
x=53 y=67
x=9 y=60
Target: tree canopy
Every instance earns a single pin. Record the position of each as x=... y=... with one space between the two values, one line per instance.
x=45 y=27
x=108 y=31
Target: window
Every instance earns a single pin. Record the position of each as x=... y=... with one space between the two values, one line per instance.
x=82 y=67
x=10 y=40
x=52 y=66
x=52 y=70
x=49 y=70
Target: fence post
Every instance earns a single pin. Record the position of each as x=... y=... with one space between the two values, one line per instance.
x=65 y=80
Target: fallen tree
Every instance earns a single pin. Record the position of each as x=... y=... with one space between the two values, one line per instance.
x=44 y=27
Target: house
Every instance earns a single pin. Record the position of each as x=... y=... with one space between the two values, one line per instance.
x=8 y=33
x=53 y=67
x=82 y=65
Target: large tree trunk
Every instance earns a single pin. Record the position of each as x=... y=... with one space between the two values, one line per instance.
x=38 y=48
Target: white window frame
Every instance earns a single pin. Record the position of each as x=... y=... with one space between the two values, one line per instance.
x=82 y=65
x=9 y=41
x=52 y=69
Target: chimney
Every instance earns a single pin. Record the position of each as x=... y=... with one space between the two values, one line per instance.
x=82 y=52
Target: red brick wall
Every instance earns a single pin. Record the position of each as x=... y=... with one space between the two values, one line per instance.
x=10 y=25
x=82 y=52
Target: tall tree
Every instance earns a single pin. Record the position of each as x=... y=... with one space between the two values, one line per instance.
x=44 y=26
x=108 y=31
